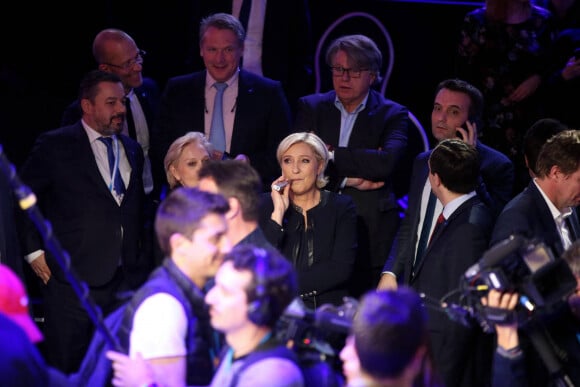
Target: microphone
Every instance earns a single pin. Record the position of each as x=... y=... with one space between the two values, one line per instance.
x=495 y=255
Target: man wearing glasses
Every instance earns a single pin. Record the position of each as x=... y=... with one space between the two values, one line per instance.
x=367 y=137
x=116 y=52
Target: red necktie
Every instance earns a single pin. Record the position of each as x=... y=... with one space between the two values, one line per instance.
x=440 y=221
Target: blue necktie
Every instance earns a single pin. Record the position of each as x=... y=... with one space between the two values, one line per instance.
x=427 y=221
x=118 y=184
x=217 y=133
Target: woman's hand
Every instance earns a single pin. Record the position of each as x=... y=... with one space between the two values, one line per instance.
x=525 y=89
x=280 y=199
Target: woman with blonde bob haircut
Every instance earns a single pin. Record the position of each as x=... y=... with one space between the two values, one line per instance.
x=315 y=229
x=184 y=159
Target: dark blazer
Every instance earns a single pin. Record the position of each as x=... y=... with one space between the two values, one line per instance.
x=326 y=266
x=528 y=215
x=287 y=44
x=376 y=145
x=89 y=224
x=262 y=118
x=494 y=189
x=463 y=355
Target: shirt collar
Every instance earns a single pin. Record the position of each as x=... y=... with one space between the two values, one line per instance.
x=209 y=80
x=453 y=205
x=360 y=107
x=556 y=213
x=93 y=134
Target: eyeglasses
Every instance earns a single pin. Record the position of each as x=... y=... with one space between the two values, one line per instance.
x=130 y=63
x=338 y=71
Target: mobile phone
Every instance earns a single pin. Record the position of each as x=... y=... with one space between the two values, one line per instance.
x=458 y=133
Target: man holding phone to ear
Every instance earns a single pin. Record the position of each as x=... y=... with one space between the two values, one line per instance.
x=457 y=111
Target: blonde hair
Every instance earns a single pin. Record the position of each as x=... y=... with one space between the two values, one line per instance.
x=317 y=145
x=176 y=148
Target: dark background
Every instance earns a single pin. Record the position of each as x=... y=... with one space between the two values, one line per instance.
x=46 y=49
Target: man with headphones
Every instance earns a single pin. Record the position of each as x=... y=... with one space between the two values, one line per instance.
x=252 y=289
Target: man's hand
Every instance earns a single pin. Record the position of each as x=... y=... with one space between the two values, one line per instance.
x=387 y=282
x=363 y=184
x=507 y=334
x=130 y=372
x=468 y=136
x=41 y=269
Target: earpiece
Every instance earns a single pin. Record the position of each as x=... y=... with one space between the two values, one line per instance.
x=259 y=309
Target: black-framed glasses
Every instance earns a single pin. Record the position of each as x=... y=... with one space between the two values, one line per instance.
x=130 y=63
x=338 y=71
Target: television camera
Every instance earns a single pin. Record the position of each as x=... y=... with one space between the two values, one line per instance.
x=317 y=337
x=516 y=264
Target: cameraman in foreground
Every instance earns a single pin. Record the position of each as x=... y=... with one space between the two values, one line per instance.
x=517 y=362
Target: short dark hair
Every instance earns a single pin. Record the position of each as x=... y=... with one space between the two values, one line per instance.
x=562 y=150
x=536 y=136
x=457 y=164
x=182 y=211
x=222 y=21
x=278 y=277
x=89 y=86
x=388 y=328
x=475 y=96
x=238 y=179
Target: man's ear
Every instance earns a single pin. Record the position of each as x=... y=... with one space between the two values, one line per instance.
x=235 y=208
x=435 y=179
x=177 y=242
x=85 y=105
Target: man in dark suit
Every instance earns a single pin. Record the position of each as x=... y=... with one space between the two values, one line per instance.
x=279 y=41
x=462 y=355
x=457 y=110
x=547 y=209
x=96 y=217
x=116 y=52
x=367 y=136
x=255 y=116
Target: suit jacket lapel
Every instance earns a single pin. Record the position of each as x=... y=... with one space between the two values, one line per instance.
x=143 y=98
x=86 y=157
x=439 y=231
x=362 y=126
x=574 y=224
x=551 y=235
x=329 y=119
x=132 y=158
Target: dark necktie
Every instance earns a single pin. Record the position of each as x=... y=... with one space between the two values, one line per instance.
x=129 y=118
x=117 y=181
x=217 y=133
x=427 y=221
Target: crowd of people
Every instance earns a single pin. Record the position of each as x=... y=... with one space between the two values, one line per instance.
x=211 y=204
